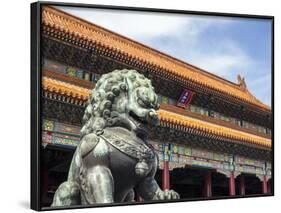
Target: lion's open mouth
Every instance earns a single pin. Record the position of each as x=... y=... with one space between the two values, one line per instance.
x=136 y=119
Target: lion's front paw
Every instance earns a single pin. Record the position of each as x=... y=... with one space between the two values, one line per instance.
x=166 y=195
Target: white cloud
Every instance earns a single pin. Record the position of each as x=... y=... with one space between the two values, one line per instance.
x=133 y=24
x=261 y=87
x=223 y=58
x=144 y=26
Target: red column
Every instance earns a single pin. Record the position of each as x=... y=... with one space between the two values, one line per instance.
x=268 y=187
x=208 y=184
x=264 y=185
x=231 y=184
x=45 y=183
x=242 y=185
x=138 y=198
x=166 y=176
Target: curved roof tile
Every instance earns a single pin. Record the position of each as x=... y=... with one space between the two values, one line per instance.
x=175 y=68
x=167 y=117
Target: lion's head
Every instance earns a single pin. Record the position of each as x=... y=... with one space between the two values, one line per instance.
x=123 y=98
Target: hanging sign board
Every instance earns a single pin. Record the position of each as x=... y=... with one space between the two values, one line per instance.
x=185 y=98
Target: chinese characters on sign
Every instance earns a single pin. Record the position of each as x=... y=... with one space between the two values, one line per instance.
x=185 y=98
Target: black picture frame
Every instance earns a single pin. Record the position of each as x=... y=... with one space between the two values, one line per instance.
x=36 y=121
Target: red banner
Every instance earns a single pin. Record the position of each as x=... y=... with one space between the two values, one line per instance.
x=185 y=98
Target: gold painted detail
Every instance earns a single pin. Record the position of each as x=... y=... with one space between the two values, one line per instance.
x=167 y=117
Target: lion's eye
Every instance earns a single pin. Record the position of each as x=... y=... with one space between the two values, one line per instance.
x=141 y=103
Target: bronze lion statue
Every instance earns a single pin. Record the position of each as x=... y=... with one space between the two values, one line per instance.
x=114 y=158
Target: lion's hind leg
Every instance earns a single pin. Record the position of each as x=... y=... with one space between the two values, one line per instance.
x=67 y=194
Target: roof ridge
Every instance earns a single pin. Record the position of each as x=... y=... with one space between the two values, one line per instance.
x=166 y=55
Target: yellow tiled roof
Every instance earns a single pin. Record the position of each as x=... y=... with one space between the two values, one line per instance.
x=177 y=69
x=64 y=88
x=177 y=119
x=60 y=87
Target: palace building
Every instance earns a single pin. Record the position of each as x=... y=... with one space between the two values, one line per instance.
x=214 y=137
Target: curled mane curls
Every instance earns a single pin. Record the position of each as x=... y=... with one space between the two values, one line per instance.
x=99 y=109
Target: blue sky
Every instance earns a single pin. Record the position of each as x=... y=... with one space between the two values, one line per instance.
x=223 y=46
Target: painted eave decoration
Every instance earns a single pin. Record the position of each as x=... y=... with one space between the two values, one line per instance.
x=174 y=120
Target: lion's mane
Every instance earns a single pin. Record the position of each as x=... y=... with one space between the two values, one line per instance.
x=109 y=87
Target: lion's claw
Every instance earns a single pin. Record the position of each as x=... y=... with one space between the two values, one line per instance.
x=166 y=195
